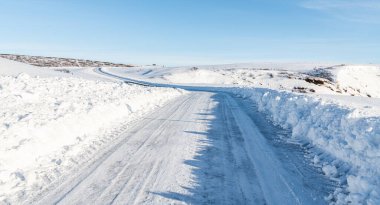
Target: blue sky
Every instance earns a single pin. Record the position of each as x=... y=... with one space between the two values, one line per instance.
x=173 y=32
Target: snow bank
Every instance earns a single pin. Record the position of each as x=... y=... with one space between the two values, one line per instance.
x=50 y=125
x=345 y=144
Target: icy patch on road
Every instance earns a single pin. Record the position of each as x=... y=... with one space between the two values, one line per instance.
x=48 y=126
x=350 y=142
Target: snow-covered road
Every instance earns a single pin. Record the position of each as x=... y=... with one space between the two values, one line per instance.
x=203 y=148
x=180 y=136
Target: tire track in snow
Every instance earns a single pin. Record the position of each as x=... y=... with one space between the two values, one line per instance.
x=134 y=151
x=158 y=136
x=72 y=182
x=119 y=176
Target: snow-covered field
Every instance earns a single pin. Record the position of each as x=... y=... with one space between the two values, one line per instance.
x=52 y=124
x=357 y=80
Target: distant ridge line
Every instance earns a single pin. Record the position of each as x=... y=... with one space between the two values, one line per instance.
x=43 y=61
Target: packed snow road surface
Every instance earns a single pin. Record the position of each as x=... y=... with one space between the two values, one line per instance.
x=201 y=149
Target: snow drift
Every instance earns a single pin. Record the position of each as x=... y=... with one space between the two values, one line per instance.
x=345 y=144
x=50 y=125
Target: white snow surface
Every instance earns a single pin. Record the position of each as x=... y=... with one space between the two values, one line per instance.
x=50 y=125
x=363 y=78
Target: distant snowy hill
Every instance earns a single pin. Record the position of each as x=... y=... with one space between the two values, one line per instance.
x=14 y=68
x=42 y=61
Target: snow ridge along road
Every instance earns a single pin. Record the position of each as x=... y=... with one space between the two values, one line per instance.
x=204 y=148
